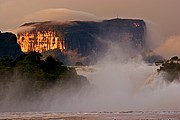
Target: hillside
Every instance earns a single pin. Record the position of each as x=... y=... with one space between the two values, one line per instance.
x=89 y=39
x=9 y=46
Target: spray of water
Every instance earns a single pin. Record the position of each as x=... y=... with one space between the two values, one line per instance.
x=128 y=85
x=121 y=82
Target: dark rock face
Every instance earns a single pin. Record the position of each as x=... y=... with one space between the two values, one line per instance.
x=92 y=39
x=9 y=46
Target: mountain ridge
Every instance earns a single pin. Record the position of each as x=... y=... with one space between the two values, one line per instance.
x=86 y=30
x=88 y=39
x=9 y=46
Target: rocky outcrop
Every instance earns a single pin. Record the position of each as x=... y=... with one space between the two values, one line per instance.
x=9 y=46
x=87 y=38
x=90 y=37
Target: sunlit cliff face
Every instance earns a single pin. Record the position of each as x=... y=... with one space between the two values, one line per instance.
x=40 y=41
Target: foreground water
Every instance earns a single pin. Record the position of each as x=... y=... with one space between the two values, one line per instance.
x=130 y=115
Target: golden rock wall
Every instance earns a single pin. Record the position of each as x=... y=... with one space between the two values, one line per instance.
x=40 y=41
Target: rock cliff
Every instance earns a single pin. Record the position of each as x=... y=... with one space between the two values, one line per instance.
x=87 y=38
x=9 y=46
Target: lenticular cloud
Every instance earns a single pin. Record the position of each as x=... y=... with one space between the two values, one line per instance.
x=59 y=14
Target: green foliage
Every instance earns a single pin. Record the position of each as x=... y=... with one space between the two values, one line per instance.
x=171 y=67
x=33 y=57
x=175 y=58
x=7 y=62
x=39 y=74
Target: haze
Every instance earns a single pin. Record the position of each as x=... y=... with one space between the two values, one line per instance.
x=119 y=82
x=162 y=13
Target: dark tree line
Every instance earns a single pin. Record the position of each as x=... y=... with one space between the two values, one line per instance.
x=38 y=74
x=171 y=68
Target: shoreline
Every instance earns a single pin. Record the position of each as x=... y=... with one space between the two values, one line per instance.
x=133 y=115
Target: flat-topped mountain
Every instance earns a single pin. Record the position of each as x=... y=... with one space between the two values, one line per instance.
x=82 y=35
x=87 y=38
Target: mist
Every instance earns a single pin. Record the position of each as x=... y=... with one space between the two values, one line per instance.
x=170 y=47
x=58 y=14
x=154 y=37
x=162 y=13
x=119 y=80
x=118 y=83
x=54 y=14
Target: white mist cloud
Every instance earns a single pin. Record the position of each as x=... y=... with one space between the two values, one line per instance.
x=118 y=84
x=154 y=37
x=170 y=47
x=56 y=14
x=22 y=29
x=162 y=12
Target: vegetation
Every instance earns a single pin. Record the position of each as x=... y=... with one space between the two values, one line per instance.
x=171 y=68
x=35 y=75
